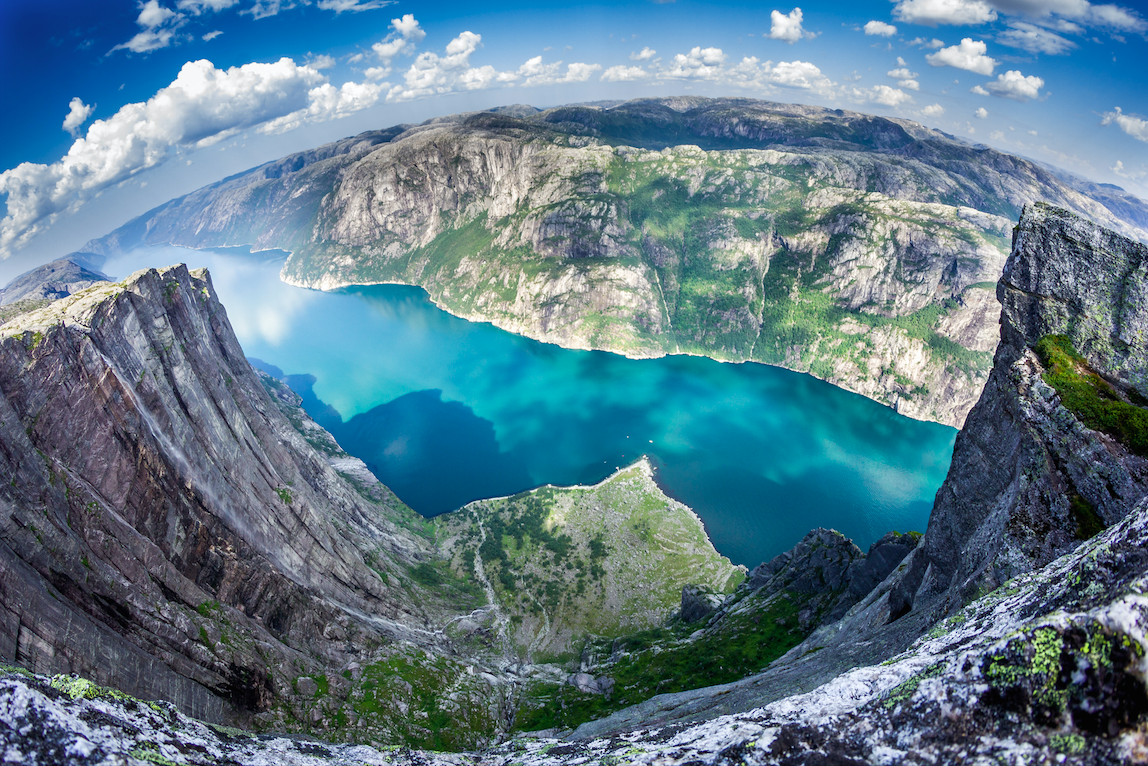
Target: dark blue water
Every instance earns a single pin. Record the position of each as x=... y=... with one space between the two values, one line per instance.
x=446 y=411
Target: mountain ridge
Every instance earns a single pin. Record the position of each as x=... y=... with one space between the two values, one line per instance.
x=853 y=247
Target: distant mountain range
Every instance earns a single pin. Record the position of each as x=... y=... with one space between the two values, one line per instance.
x=862 y=249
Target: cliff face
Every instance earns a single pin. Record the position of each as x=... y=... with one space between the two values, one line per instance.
x=1031 y=474
x=859 y=249
x=164 y=527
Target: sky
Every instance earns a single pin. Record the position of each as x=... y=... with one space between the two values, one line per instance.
x=115 y=106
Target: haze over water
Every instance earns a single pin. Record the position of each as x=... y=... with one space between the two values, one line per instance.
x=446 y=411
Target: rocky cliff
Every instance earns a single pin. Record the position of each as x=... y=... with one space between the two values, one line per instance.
x=857 y=248
x=165 y=528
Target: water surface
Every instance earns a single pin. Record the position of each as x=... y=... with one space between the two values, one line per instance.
x=446 y=411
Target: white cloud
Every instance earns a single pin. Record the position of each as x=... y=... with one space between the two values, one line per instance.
x=355 y=6
x=404 y=36
x=326 y=102
x=968 y=55
x=78 y=114
x=933 y=110
x=981 y=113
x=978 y=90
x=1116 y=17
x=1133 y=126
x=624 y=74
x=909 y=84
x=152 y=14
x=159 y=28
x=700 y=63
x=787 y=27
x=927 y=43
x=880 y=28
x=198 y=7
x=1035 y=39
x=996 y=135
x=431 y=74
x=933 y=12
x=1131 y=175
x=263 y=9
x=799 y=74
x=202 y=106
x=211 y=35
x=1012 y=84
x=644 y=55
x=881 y=94
x=321 y=61
x=902 y=73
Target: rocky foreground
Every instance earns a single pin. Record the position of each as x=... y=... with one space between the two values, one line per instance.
x=861 y=249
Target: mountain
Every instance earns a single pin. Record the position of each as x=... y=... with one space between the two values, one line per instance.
x=1014 y=631
x=861 y=249
x=173 y=524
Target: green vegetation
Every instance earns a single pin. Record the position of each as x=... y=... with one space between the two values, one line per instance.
x=1094 y=401
x=661 y=661
x=284 y=494
x=19 y=308
x=605 y=560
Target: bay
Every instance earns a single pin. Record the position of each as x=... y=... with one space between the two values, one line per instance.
x=446 y=411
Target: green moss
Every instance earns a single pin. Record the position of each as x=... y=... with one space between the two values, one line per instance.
x=1069 y=744
x=284 y=494
x=905 y=690
x=1093 y=400
x=1088 y=521
x=656 y=663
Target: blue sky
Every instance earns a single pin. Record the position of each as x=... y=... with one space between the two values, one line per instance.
x=117 y=105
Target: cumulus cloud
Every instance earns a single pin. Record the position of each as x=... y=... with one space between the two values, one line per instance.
x=927 y=43
x=978 y=90
x=159 y=27
x=933 y=110
x=78 y=114
x=699 y=63
x=787 y=27
x=880 y=28
x=624 y=74
x=881 y=94
x=909 y=84
x=1133 y=126
x=534 y=72
x=202 y=106
x=902 y=73
x=799 y=74
x=432 y=74
x=354 y=6
x=1034 y=39
x=968 y=55
x=644 y=55
x=404 y=36
x=1012 y=84
x=930 y=13
x=1115 y=17
x=981 y=113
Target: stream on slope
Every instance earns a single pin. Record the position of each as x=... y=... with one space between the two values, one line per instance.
x=446 y=411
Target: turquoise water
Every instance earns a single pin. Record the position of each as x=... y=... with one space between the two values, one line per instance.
x=446 y=411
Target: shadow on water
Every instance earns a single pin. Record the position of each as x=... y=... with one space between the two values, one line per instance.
x=437 y=456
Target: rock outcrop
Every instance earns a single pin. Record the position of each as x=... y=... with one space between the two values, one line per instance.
x=853 y=247
x=1029 y=477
